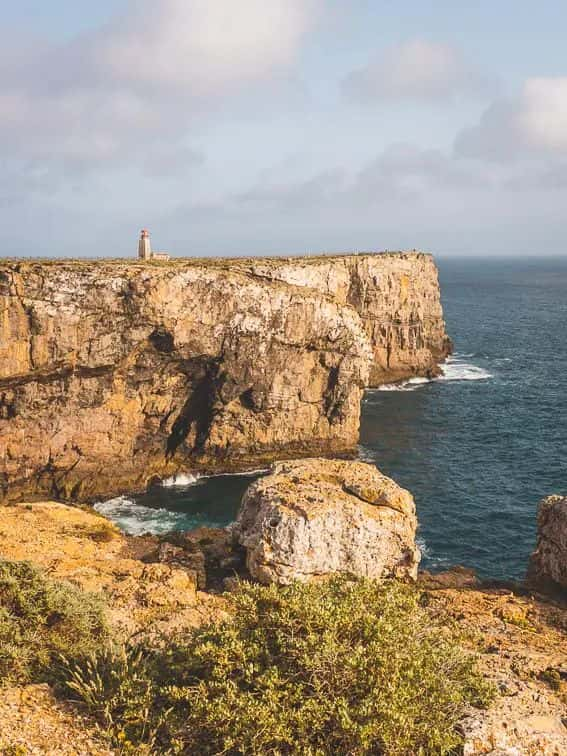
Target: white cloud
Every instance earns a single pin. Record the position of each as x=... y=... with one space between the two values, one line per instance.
x=534 y=124
x=403 y=179
x=142 y=80
x=416 y=70
x=404 y=170
x=205 y=45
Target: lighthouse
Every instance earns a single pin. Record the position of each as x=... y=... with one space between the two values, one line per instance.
x=145 y=248
x=144 y=245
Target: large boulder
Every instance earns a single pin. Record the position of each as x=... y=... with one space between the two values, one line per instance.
x=316 y=517
x=548 y=563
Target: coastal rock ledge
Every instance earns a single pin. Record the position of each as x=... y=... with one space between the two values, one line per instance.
x=317 y=517
x=548 y=563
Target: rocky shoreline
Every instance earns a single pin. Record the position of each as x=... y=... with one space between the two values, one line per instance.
x=157 y=586
x=113 y=374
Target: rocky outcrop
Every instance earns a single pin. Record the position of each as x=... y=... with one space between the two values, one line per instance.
x=112 y=373
x=519 y=642
x=83 y=548
x=317 y=517
x=548 y=563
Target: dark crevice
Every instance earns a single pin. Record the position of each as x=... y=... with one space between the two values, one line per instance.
x=162 y=340
x=199 y=409
x=334 y=396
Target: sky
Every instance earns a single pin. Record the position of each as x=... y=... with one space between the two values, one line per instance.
x=283 y=126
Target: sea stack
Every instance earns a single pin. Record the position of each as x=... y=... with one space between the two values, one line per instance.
x=548 y=563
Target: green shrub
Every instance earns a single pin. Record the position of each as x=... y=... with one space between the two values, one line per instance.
x=116 y=685
x=41 y=619
x=337 y=667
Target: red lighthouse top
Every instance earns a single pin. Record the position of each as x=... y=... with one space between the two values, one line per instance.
x=145 y=233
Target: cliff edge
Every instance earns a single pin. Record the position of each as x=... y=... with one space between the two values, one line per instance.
x=113 y=372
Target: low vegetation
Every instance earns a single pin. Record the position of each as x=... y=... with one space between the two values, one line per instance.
x=337 y=667
x=41 y=620
x=330 y=668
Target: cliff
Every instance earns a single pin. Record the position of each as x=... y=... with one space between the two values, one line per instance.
x=112 y=372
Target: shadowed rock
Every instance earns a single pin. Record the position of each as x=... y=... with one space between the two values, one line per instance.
x=548 y=563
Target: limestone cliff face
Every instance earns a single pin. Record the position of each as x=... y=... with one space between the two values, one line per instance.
x=397 y=298
x=113 y=372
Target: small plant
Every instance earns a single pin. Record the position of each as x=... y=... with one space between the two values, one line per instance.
x=13 y=750
x=40 y=619
x=101 y=531
x=116 y=687
x=552 y=677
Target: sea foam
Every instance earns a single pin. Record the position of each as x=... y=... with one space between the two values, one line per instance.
x=136 y=519
x=180 y=480
x=454 y=369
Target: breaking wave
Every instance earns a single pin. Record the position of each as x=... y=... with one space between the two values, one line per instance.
x=454 y=369
x=137 y=519
x=180 y=480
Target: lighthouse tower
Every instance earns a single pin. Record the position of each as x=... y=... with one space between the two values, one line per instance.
x=144 y=245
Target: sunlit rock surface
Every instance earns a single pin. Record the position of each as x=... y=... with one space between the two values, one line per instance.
x=317 y=517
x=113 y=372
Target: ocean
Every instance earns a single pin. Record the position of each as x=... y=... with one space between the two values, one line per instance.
x=478 y=447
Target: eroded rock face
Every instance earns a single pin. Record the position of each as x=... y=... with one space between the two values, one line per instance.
x=397 y=298
x=112 y=373
x=317 y=517
x=548 y=563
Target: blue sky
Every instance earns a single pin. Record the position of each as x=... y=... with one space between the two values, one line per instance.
x=283 y=126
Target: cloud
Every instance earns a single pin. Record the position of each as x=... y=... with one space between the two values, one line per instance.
x=142 y=80
x=406 y=171
x=416 y=70
x=206 y=45
x=403 y=187
x=167 y=162
x=533 y=124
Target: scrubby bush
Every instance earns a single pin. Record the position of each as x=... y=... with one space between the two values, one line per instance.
x=41 y=619
x=117 y=686
x=337 y=667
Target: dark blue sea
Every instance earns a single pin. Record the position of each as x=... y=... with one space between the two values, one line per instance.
x=478 y=448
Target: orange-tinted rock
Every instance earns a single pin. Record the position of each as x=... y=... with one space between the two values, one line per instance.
x=114 y=372
x=317 y=517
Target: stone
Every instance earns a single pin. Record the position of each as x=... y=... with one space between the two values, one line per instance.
x=455 y=577
x=192 y=560
x=548 y=563
x=318 y=517
x=114 y=373
x=65 y=542
x=223 y=556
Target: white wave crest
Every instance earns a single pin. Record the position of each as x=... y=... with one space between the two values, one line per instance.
x=180 y=480
x=365 y=454
x=454 y=369
x=136 y=519
x=242 y=474
x=423 y=547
